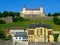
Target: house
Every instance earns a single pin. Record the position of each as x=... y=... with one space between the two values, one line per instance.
x=13 y=30
x=20 y=38
x=40 y=33
x=30 y=13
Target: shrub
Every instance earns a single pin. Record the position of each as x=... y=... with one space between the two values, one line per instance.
x=2 y=22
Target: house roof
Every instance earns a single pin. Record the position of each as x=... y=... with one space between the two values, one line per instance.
x=39 y=25
x=21 y=34
x=44 y=25
x=32 y=25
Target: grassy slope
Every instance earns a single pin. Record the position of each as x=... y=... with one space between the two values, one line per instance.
x=25 y=24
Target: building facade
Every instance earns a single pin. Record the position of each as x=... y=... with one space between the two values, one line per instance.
x=40 y=33
x=59 y=38
x=30 y=13
x=14 y=30
x=20 y=38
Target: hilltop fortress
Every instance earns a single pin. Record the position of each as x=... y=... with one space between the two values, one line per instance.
x=30 y=13
x=34 y=14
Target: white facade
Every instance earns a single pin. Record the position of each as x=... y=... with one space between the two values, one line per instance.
x=13 y=31
x=19 y=41
x=32 y=11
x=19 y=38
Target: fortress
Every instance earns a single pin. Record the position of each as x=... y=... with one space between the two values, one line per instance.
x=32 y=13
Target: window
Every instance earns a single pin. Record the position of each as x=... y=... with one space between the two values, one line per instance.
x=30 y=32
x=49 y=32
x=48 y=39
x=45 y=32
x=16 y=37
x=19 y=37
x=37 y=32
x=29 y=36
x=41 y=31
x=29 y=40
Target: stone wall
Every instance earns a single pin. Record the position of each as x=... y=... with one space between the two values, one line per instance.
x=38 y=18
x=6 y=42
x=44 y=43
x=7 y=19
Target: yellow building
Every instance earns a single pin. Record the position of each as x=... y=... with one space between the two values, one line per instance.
x=40 y=33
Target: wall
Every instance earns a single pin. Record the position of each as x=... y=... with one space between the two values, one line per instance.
x=7 y=19
x=44 y=43
x=39 y=18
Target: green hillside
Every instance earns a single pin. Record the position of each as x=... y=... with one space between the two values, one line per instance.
x=24 y=24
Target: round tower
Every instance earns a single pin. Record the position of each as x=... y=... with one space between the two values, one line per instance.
x=24 y=9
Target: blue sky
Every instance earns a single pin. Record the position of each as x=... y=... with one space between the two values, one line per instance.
x=17 y=5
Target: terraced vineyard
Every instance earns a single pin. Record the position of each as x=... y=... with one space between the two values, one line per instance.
x=24 y=24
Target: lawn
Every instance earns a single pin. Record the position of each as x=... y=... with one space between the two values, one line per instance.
x=24 y=24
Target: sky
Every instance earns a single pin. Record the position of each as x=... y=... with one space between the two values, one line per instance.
x=50 y=6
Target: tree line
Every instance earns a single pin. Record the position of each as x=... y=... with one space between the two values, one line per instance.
x=56 y=20
x=54 y=14
x=6 y=13
x=15 y=16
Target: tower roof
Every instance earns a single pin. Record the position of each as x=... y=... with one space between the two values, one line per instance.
x=24 y=6
x=41 y=5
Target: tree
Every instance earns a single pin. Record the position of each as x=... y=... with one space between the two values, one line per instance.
x=9 y=37
x=55 y=37
x=2 y=22
x=2 y=34
x=5 y=14
x=49 y=14
x=56 y=14
x=0 y=14
x=11 y=14
x=14 y=14
x=17 y=14
x=56 y=20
